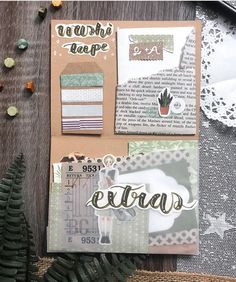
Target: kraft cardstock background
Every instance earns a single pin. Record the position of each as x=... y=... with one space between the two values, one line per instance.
x=108 y=142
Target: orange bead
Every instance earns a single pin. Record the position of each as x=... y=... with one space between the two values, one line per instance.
x=30 y=86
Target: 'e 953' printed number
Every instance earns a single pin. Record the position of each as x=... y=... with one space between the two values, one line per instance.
x=89 y=240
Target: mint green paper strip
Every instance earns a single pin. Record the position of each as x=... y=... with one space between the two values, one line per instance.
x=84 y=79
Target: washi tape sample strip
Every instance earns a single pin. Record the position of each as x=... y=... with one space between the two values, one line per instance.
x=82 y=98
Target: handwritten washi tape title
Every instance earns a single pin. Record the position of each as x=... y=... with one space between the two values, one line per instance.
x=85 y=31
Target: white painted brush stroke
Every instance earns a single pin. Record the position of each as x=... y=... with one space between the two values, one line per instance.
x=158 y=182
x=134 y=69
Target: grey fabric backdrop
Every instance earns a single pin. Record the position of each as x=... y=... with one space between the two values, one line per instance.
x=217 y=198
x=217 y=191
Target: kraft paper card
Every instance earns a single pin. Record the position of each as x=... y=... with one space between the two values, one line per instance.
x=138 y=204
x=89 y=68
x=104 y=95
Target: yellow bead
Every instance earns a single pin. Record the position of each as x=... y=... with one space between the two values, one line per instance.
x=56 y=3
x=9 y=63
x=12 y=111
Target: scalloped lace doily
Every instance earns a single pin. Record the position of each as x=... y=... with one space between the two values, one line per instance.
x=218 y=93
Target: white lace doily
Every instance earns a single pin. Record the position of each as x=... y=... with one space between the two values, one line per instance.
x=218 y=93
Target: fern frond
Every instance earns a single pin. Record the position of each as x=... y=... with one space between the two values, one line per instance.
x=17 y=250
x=92 y=267
x=16 y=245
x=28 y=254
x=10 y=220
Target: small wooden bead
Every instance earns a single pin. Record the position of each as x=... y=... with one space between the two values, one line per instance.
x=42 y=12
x=56 y=4
x=9 y=63
x=22 y=44
x=30 y=86
x=12 y=111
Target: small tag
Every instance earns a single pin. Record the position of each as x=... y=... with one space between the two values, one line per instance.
x=146 y=51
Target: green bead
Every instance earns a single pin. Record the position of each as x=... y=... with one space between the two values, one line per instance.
x=22 y=44
x=9 y=63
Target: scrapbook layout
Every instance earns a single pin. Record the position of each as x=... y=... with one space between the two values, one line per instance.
x=124 y=144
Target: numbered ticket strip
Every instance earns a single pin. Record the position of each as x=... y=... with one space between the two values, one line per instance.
x=79 y=221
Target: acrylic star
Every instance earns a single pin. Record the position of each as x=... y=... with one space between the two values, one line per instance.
x=218 y=225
